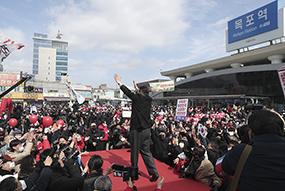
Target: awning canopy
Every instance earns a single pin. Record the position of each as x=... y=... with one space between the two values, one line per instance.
x=57 y=98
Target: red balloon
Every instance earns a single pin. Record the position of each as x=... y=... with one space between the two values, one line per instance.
x=13 y=122
x=118 y=112
x=159 y=118
x=33 y=119
x=119 y=107
x=60 y=122
x=47 y=121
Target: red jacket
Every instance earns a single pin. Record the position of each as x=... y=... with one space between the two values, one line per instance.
x=80 y=144
x=46 y=145
x=105 y=130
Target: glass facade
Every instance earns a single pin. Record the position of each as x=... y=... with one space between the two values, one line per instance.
x=41 y=40
x=234 y=88
x=39 y=43
x=262 y=84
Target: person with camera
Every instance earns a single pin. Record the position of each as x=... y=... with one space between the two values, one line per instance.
x=201 y=169
x=140 y=127
x=66 y=175
x=264 y=167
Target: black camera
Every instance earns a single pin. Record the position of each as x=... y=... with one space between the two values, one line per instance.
x=125 y=172
x=68 y=152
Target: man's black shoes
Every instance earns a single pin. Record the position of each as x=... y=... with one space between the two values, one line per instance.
x=154 y=178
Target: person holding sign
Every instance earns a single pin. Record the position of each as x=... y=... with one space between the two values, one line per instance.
x=140 y=127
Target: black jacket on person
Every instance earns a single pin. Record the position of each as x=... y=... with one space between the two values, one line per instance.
x=40 y=181
x=94 y=137
x=160 y=150
x=71 y=180
x=264 y=168
x=141 y=106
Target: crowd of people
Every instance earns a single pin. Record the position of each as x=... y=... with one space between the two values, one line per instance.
x=36 y=157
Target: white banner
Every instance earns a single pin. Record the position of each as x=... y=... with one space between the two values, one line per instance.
x=162 y=86
x=181 y=109
x=126 y=114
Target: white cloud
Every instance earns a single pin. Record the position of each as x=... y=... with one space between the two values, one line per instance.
x=221 y=22
x=17 y=65
x=120 y=26
x=154 y=63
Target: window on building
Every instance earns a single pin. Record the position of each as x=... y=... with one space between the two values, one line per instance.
x=61 y=68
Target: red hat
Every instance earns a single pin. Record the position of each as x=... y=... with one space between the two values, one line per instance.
x=40 y=146
x=6 y=158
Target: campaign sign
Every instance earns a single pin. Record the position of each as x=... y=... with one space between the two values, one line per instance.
x=181 y=109
x=253 y=23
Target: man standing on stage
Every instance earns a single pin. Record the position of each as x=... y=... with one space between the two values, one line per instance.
x=140 y=127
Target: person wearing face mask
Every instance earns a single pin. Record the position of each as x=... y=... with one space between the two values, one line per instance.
x=17 y=134
x=232 y=134
x=160 y=145
x=2 y=136
x=92 y=137
x=18 y=151
x=122 y=143
x=103 y=142
x=201 y=169
x=6 y=146
x=8 y=166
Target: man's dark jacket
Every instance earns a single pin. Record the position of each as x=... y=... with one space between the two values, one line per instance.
x=265 y=166
x=141 y=106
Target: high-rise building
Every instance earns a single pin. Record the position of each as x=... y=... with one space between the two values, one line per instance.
x=50 y=58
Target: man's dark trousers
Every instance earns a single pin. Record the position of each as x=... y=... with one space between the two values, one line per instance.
x=140 y=142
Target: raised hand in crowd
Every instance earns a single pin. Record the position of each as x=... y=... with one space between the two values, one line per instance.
x=109 y=170
x=48 y=161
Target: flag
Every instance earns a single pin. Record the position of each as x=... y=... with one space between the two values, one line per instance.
x=7 y=46
x=80 y=99
x=202 y=130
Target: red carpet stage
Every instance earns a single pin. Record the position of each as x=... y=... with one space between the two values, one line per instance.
x=171 y=180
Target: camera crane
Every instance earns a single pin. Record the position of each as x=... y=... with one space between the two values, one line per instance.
x=23 y=79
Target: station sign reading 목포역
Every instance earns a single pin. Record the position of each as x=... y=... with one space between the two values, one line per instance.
x=253 y=23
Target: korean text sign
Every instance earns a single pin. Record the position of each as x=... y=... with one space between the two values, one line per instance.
x=181 y=109
x=253 y=23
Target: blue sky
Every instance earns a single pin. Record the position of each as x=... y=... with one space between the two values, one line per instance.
x=135 y=39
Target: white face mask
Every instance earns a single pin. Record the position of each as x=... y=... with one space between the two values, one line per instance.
x=78 y=137
x=18 y=137
x=123 y=139
x=21 y=149
x=12 y=165
x=231 y=133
